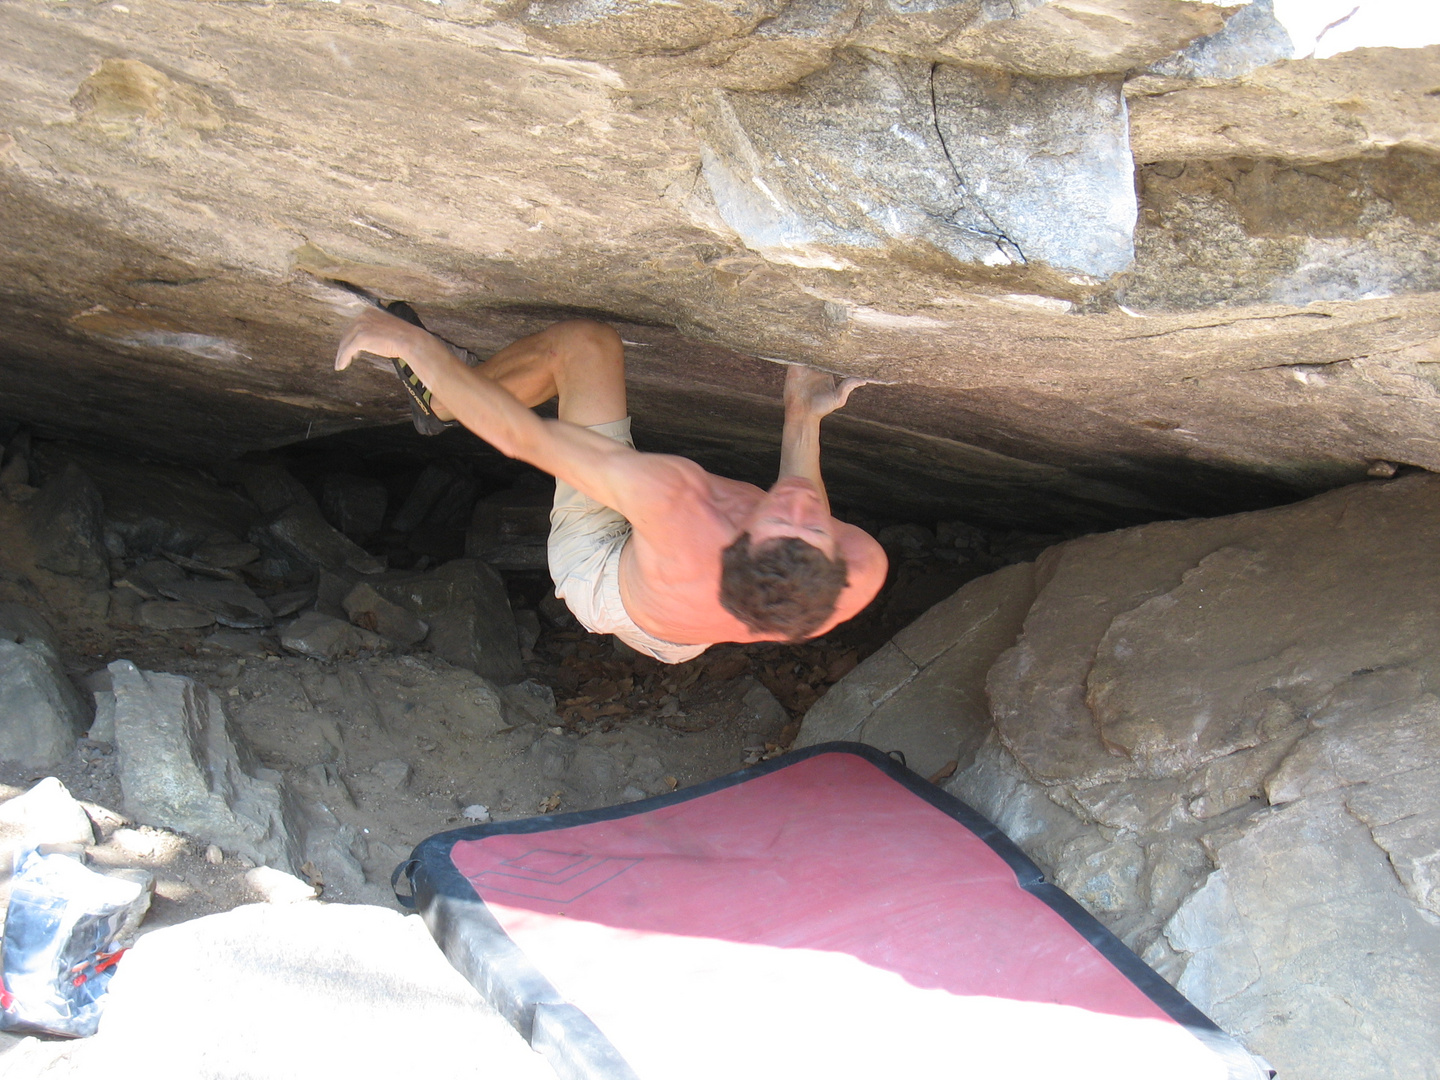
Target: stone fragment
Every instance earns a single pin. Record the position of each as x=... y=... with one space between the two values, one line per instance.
x=48 y=814
x=509 y=530
x=433 y=482
x=321 y=637
x=468 y=610
x=555 y=612
x=67 y=523
x=180 y=768
x=477 y=813
x=529 y=702
x=334 y=854
x=331 y=588
x=227 y=555
x=102 y=728
x=149 y=576
x=241 y=643
x=150 y=507
x=230 y=602
x=354 y=504
x=268 y=484
x=198 y=566
x=174 y=615
x=41 y=713
x=395 y=774
x=591 y=773
x=304 y=534
x=527 y=626
x=371 y=611
x=290 y=601
x=759 y=703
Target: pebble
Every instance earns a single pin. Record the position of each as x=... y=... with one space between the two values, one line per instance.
x=213 y=855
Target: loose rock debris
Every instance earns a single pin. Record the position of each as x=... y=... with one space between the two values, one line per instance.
x=363 y=707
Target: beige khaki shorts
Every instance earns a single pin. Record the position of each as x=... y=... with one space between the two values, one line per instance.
x=586 y=539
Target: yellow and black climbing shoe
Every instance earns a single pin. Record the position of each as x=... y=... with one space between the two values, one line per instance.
x=422 y=414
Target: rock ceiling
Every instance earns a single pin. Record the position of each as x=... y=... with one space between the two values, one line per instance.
x=1116 y=259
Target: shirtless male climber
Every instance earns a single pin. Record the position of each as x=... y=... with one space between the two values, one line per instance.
x=649 y=547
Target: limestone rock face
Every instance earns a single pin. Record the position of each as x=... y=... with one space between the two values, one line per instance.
x=1119 y=259
x=1223 y=738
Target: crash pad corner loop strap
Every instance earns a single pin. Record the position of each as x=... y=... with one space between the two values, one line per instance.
x=898 y=755
x=408 y=868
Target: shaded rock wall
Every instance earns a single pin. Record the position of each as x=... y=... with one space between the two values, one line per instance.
x=1222 y=737
x=1124 y=259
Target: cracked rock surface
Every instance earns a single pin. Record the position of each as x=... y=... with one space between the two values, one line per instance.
x=1120 y=260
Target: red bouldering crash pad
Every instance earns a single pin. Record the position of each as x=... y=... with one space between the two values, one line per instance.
x=827 y=914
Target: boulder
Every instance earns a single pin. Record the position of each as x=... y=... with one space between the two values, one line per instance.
x=230 y=603
x=152 y=507
x=268 y=484
x=181 y=768
x=509 y=530
x=468 y=611
x=432 y=482
x=1223 y=738
x=67 y=523
x=323 y=637
x=41 y=712
x=371 y=611
x=302 y=532
x=354 y=504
